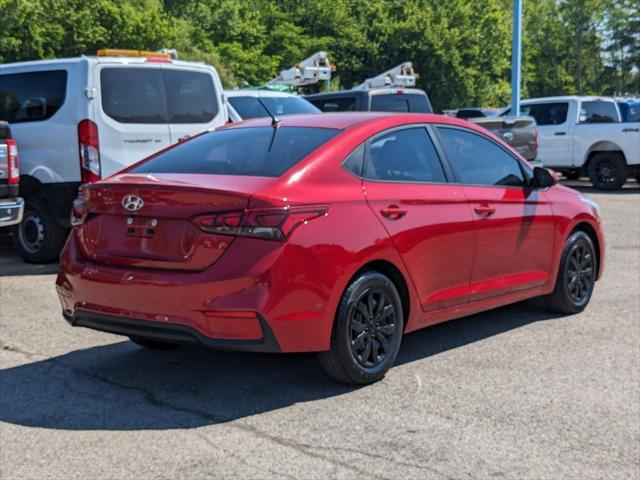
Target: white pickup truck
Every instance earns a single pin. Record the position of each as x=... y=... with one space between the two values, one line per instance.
x=584 y=136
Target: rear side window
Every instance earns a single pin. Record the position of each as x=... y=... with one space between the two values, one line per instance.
x=250 y=107
x=598 y=112
x=546 y=113
x=191 y=96
x=478 y=161
x=255 y=151
x=404 y=156
x=133 y=95
x=340 y=104
x=395 y=102
x=155 y=96
x=33 y=96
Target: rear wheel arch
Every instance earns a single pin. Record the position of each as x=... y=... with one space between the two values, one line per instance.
x=602 y=147
x=395 y=275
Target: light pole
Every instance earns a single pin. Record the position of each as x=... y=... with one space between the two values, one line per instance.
x=516 y=63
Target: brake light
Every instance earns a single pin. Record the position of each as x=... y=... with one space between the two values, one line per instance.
x=271 y=223
x=89 y=151
x=13 y=163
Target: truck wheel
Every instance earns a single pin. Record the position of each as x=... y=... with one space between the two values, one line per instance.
x=608 y=171
x=38 y=237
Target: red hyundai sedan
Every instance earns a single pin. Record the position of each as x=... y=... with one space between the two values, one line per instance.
x=332 y=233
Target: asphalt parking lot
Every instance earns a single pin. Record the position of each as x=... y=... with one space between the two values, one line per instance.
x=514 y=393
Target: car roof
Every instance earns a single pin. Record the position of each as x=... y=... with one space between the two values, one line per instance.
x=365 y=91
x=255 y=92
x=347 y=120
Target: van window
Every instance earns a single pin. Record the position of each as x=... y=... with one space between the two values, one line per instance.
x=336 y=104
x=545 y=113
x=598 y=112
x=400 y=102
x=154 y=96
x=32 y=96
x=191 y=96
x=252 y=151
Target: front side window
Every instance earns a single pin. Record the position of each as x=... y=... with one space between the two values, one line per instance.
x=598 y=112
x=155 y=96
x=478 y=161
x=251 y=151
x=404 y=156
x=546 y=113
x=32 y=96
x=250 y=107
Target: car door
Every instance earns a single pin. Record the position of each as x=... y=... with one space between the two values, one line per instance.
x=554 y=132
x=427 y=218
x=514 y=229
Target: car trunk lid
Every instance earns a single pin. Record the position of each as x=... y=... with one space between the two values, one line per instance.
x=144 y=220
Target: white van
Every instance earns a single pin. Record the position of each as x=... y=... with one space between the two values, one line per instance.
x=81 y=119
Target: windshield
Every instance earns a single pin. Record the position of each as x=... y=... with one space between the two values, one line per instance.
x=255 y=151
x=249 y=107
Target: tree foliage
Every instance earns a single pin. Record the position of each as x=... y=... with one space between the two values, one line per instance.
x=462 y=49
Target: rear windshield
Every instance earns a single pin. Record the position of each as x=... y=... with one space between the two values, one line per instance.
x=396 y=102
x=254 y=151
x=250 y=107
x=152 y=95
x=32 y=96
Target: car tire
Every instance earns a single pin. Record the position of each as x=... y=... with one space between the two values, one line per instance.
x=153 y=344
x=38 y=238
x=367 y=331
x=608 y=171
x=576 y=275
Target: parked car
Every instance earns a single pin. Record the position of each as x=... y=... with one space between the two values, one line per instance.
x=411 y=100
x=333 y=233
x=250 y=103
x=584 y=135
x=630 y=110
x=11 y=205
x=81 y=119
x=475 y=112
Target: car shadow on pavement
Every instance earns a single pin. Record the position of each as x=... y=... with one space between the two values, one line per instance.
x=124 y=387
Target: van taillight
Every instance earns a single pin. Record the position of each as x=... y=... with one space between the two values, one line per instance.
x=13 y=163
x=89 y=151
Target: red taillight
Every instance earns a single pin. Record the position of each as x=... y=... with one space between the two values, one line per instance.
x=271 y=223
x=13 y=163
x=89 y=151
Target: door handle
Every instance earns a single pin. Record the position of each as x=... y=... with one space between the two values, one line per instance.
x=560 y=134
x=393 y=212
x=484 y=211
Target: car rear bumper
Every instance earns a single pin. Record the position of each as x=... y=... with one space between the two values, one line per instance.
x=170 y=332
x=246 y=301
x=11 y=211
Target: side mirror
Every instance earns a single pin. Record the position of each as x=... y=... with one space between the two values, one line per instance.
x=542 y=178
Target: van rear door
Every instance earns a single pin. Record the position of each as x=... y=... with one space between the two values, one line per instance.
x=130 y=112
x=194 y=100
